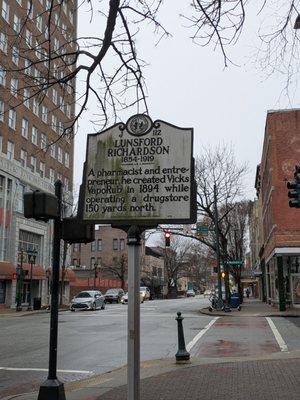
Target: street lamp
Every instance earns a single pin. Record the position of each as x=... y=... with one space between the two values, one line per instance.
x=31 y=259
x=95 y=274
x=19 y=282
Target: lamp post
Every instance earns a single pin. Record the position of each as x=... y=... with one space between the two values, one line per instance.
x=31 y=259
x=19 y=282
x=95 y=274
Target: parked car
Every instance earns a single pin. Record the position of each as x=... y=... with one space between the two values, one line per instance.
x=145 y=291
x=88 y=300
x=114 y=295
x=124 y=299
x=207 y=293
x=190 y=293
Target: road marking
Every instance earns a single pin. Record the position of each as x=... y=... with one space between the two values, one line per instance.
x=67 y=371
x=278 y=337
x=200 y=334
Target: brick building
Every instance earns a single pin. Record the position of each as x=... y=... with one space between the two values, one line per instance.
x=103 y=263
x=31 y=156
x=280 y=252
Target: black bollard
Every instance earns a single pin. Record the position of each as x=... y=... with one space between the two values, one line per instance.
x=182 y=354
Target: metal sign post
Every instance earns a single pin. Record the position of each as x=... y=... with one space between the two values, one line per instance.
x=138 y=175
x=133 y=339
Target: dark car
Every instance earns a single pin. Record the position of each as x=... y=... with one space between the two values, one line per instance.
x=114 y=295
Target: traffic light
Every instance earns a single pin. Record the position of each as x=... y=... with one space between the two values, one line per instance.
x=294 y=193
x=223 y=274
x=167 y=238
x=40 y=205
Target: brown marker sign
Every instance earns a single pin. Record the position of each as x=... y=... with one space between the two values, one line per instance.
x=141 y=173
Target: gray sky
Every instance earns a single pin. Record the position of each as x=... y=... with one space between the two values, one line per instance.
x=189 y=87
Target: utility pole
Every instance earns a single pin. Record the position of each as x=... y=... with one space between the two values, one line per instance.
x=216 y=220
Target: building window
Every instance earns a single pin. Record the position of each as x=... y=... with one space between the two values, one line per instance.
x=93 y=246
x=27 y=67
x=34 y=137
x=42 y=169
x=30 y=9
x=15 y=55
x=33 y=164
x=10 y=150
x=14 y=86
x=30 y=241
x=59 y=154
x=76 y=247
x=26 y=98
x=23 y=157
x=1 y=110
x=59 y=176
x=35 y=106
x=52 y=150
x=2 y=76
x=99 y=245
x=44 y=114
x=43 y=141
x=5 y=10
x=12 y=117
x=115 y=244
x=67 y=160
x=122 y=244
x=51 y=175
x=54 y=123
x=20 y=203
x=17 y=24
x=28 y=38
x=54 y=96
x=92 y=262
x=25 y=128
x=66 y=184
x=39 y=22
x=3 y=42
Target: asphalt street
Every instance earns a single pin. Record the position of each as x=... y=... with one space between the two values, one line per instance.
x=95 y=342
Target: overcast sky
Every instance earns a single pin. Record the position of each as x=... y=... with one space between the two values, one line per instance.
x=189 y=87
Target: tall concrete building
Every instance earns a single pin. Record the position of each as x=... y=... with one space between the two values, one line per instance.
x=32 y=153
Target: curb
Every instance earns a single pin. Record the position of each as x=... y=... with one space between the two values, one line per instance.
x=97 y=385
x=27 y=313
x=205 y=311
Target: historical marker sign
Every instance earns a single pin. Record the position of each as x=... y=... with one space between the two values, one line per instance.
x=141 y=173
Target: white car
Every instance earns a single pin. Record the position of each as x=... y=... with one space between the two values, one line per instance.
x=88 y=300
x=145 y=291
x=124 y=299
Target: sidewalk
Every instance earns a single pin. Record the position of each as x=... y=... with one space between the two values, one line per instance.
x=245 y=378
x=254 y=308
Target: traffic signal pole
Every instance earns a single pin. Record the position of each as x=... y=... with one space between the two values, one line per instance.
x=216 y=218
x=52 y=388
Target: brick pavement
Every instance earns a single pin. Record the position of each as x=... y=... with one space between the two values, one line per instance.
x=248 y=380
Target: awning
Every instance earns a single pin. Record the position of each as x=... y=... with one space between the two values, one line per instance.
x=38 y=271
x=6 y=270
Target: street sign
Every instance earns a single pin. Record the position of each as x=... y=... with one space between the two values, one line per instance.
x=235 y=262
x=202 y=229
x=139 y=173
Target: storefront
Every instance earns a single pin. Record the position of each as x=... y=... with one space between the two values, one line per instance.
x=283 y=277
x=6 y=282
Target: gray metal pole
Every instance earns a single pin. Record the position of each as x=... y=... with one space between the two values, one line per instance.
x=133 y=340
x=216 y=217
